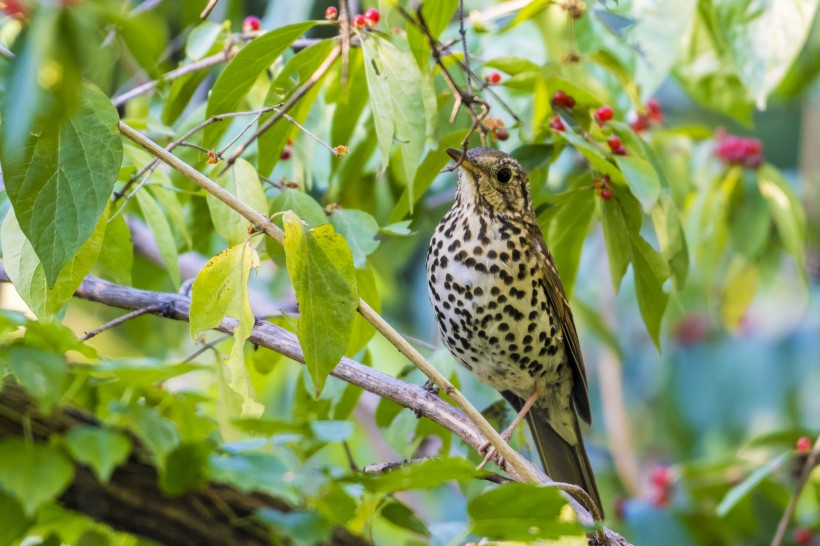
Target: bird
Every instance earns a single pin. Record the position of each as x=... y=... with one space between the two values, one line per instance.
x=502 y=311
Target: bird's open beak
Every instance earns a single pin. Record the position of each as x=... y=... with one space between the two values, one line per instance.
x=456 y=154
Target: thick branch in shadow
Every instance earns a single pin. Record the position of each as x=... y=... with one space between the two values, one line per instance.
x=214 y=515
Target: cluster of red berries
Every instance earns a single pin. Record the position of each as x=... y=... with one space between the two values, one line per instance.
x=562 y=100
x=251 y=23
x=493 y=78
x=369 y=19
x=653 y=116
x=737 y=150
x=661 y=480
x=603 y=187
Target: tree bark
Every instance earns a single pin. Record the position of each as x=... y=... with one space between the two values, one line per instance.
x=131 y=501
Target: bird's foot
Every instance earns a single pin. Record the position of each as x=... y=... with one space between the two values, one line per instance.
x=489 y=451
x=430 y=387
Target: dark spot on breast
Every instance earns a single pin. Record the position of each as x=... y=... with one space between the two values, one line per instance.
x=503 y=326
x=492 y=254
x=552 y=350
x=477 y=250
x=494 y=290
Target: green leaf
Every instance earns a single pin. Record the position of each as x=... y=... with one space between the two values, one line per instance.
x=202 y=40
x=706 y=70
x=641 y=178
x=117 y=252
x=594 y=154
x=59 y=182
x=671 y=238
x=250 y=472
x=29 y=277
x=437 y=15
x=653 y=32
x=301 y=204
x=566 y=233
x=738 y=291
x=518 y=511
x=186 y=467
x=239 y=76
x=331 y=431
x=764 y=39
x=786 y=210
x=102 y=449
x=242 y=181
x=42 y=374
x=513 y=65
x=324 y=278
x=424 y=475
x=741 y=490
x=396 y=97
x=159 y=225
x=430 y=167
x=749 y=217
x=616 y=237
x=156 y=432
x=650 y=273
x=359 y=230
x=221 y=290
x=33 y=473
x=362 y=330
x=401 y=515
x=15 y=521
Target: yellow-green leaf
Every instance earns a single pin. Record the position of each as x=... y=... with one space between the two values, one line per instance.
x=221 y=290
x=321 y=268
x=243 y=182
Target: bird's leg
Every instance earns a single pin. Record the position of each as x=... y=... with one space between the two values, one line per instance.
x=507 y=434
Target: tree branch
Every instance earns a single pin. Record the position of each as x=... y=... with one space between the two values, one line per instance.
x=270 y=336
x=811 y=459
x=131 y=501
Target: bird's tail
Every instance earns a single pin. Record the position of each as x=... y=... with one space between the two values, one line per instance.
x=563 y=462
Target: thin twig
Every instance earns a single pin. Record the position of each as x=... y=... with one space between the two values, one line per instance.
x=212 y=60
x=300 y=92
x=344 y=24
x=811 y=459
x=208 y=9
x=210 y=345
x=120 y=320
x=464 y=43
x=6 y=53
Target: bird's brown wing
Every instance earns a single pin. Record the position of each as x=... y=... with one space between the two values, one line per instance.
x=556 y=295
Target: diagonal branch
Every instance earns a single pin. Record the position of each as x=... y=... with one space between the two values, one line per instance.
x=811 y=460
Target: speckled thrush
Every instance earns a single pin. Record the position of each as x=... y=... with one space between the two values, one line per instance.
x=502 y=311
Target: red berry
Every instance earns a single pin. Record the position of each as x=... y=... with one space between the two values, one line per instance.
x=660 y=476
x=359 y=21
x=285 y=155
x=803 y=444
x=604 y=114
x=502 y=134
x=620 y=150
x=373 y=16
x=613 y=142
x=639 y=123
x=562 y=99
x=802 y=536
x=606 y=194
x=251 y=24
x=655 y=111
x=16 y=9
x=331 y=13
x=493 y=78
x=557 y=124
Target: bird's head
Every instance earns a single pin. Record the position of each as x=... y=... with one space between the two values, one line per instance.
x=491 y=178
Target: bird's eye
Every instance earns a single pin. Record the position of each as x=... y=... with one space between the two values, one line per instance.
x=504 y=175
